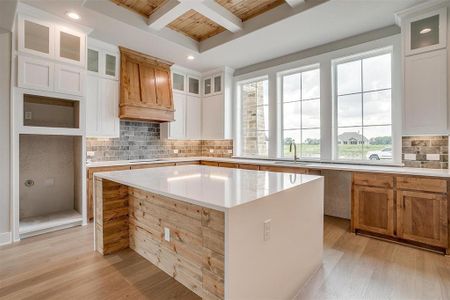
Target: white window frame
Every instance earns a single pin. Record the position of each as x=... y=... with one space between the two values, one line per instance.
x=326 y=100
x=280 y=144
x=361 y=56
x=239 y=103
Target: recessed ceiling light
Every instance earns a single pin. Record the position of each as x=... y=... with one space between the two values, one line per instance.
x=191 y=57
x=73 y=15
x=425 y=30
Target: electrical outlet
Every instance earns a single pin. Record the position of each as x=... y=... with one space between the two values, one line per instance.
x=176 y=151
x=167 y=234
x=433 y=157
x=267 y=229
x=410 y=156
x=28 y=115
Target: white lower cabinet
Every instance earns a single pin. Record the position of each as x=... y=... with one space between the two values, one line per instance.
x=44 y=75
x=425 y=94
x=102 y=105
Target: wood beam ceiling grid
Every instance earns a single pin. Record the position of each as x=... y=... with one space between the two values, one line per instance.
x=194 y=24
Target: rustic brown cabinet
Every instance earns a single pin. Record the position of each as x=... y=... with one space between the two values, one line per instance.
x=373 y=209
x=145 y=87
x=422 y=217
x=410 y=209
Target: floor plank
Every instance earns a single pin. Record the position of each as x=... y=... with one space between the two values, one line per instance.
x=63 y=265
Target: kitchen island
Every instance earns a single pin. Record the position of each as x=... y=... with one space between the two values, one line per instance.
x=223 y=233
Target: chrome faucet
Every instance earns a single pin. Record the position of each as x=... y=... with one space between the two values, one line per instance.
x=295 y=150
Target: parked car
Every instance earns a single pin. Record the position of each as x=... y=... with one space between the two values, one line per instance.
x=385 y=153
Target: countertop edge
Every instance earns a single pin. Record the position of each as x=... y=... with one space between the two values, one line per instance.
x=442 y=173
x=107 y=176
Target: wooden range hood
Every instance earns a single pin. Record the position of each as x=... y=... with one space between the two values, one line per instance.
x=145 y=87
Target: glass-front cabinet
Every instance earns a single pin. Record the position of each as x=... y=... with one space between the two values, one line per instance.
x=93 y=60
x=207 y=86
x=46 y=39
x=36 y=36
x=193 y=85
x=178 y=81
x=425 y=32
x=102 y=62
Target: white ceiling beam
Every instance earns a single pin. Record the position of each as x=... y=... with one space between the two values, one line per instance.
x=294 y=3
x=217 y=13
x=167 y=13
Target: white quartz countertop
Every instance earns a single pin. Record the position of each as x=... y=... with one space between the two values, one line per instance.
x=320 y=166
x=212 y=187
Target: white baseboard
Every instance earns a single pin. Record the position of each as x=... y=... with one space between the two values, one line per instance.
x=5 y=238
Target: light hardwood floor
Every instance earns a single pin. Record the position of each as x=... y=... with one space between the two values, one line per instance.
x=63 y=265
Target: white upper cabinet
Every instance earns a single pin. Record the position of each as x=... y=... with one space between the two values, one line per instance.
x=425 y=100
x=36 y=37
x=425 y=31
x=102 y=90
x=213 y=85
x=51 y=57
x=193 y=85
x=70 y=46
x=93 y=60
x=194 y=117
x=36 y=74
x=207 y=86
x=213 y=117
x=425 y=95
x=102 y=59
x=178 y=82
x=217 y=83
x=111 y=65
x=177 y=129
x=46 y=39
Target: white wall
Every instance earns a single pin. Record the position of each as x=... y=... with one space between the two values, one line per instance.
x=5 y=66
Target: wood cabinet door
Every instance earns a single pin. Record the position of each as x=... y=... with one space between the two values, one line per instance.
x=422 y=217
x=163 y=88
x=373 y=209
x=148 y=84
x=131 y=86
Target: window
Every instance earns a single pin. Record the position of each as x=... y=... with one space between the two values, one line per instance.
x=255 y=118
x=363 y=107
x=301 y=113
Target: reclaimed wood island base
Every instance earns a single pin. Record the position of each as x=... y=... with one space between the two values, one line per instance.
x=217 y=252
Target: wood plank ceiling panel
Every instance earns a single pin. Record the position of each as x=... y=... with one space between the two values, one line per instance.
x=247 y=9
x=142 y=7
x=196 y=26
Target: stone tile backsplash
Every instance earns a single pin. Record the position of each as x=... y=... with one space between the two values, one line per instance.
x=425 y=152
x=141 y=140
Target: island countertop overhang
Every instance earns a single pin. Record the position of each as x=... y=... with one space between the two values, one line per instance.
x=212 y=187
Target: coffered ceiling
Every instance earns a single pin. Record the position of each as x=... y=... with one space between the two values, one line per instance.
x=280 y=31
x=201 y=19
